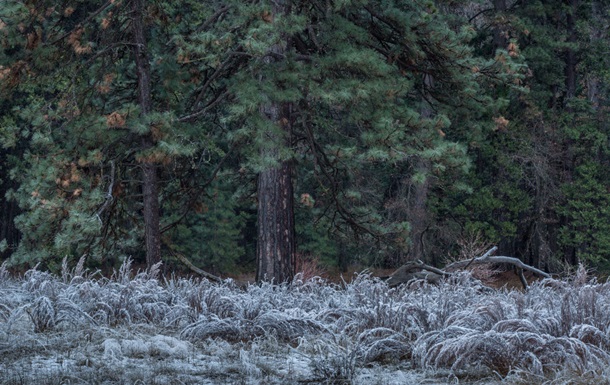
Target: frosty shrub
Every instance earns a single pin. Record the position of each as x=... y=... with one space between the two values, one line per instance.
x=333 y=361
x=312 y=330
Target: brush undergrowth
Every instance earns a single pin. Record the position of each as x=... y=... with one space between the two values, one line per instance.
x=556 y=332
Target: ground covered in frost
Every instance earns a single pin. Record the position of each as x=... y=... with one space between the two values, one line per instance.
x=80 y=328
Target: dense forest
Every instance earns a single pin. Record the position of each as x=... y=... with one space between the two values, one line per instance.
x=260 y=135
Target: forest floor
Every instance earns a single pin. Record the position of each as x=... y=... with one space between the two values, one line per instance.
x=80 y=328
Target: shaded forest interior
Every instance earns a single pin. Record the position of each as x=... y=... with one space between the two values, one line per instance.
x=270 y=136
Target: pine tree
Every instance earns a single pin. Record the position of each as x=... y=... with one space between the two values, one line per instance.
x=93 y=111
x=348 y=91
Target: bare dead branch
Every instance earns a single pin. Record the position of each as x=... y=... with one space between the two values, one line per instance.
x=414 y=270
x=498 y=259
x=109 y=196
x=191 y=266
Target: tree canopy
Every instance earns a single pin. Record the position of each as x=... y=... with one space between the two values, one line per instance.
x=258 y=135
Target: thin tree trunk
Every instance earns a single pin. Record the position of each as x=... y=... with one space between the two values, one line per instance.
x=418 y=215
x=500 y=39
x=593 y=81
x=149 y=169
x=418 y=212
x=8 y=231
x=276 y=234
x=570 y=54
x=570 y=92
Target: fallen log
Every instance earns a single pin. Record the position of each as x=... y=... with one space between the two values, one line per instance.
x=415 y=270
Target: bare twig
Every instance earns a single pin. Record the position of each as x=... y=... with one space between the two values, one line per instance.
x=483 y=257
x=109 y=197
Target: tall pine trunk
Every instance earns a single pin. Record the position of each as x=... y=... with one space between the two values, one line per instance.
x=275 y=252
x=149 y=169
x=418 y=214
x=8 y=211
x=276 y=236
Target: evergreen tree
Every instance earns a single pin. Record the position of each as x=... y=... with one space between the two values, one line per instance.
x=530 y=166
x=348 y=87
x=372 y=131
x=94 y=111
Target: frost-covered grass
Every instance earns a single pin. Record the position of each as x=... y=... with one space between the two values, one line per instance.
x=82 y=328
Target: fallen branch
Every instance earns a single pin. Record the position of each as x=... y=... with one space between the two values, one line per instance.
x=484 y=256
x=418 y=270
x=497 y=259
x=197 y=270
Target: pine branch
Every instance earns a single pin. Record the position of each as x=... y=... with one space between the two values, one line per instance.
x=195 y=196
x=205 y=109
x=79 y=25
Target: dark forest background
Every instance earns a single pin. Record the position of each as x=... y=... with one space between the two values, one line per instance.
x=262 y=135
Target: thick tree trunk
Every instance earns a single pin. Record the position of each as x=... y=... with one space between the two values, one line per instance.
x=276 y=239
x=276 y=233
x=149 y=169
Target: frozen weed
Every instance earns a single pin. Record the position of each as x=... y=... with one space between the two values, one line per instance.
x=334 y=361
x=42 y=314
x=553 y=331
x=382 y=344
x=285 y=327
x=42 y=283
x=212 y=327
x=5 y=312
x=4 y=273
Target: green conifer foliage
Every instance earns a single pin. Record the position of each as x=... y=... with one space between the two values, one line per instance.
x=531 y=167
x=357 y=76
x=588 y=208
x=71 y=94
x=401 y=127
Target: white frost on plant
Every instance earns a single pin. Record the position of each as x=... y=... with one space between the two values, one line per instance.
x=112 y=350
x=155 y=346
x=166 y=346
x=193 y=331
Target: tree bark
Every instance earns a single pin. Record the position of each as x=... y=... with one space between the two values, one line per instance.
x=595 y=35
x=276 y=236
x=150 y=181
x=276 y=247
x=570 y=93
x=9 y=210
